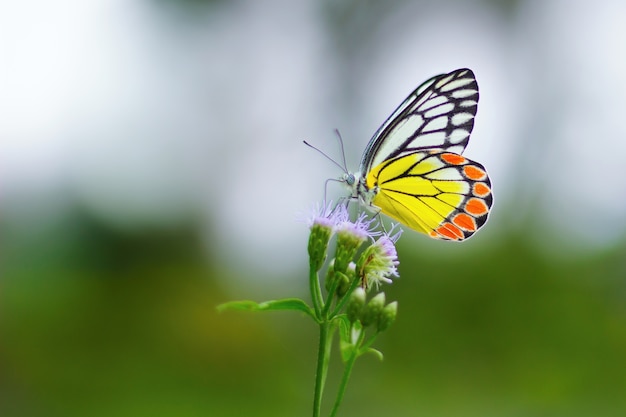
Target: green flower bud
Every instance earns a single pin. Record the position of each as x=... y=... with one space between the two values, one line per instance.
x=387 y=316
x=322 y=220
x=355 y=304
x=318 y=244
x=347 y=245
x=372 y=310
x=345 y=280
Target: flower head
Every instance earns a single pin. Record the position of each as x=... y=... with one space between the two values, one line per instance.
x=350 y=236
x=322 y=220
x=379 y=261
x=325 y=215
x=361 y=228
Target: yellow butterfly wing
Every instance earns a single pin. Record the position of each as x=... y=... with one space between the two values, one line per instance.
x=439 y=193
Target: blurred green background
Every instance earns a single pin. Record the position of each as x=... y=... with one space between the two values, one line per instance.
x=151 y=168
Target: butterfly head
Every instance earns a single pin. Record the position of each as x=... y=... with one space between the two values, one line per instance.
x=351 y=181
x=358 y=188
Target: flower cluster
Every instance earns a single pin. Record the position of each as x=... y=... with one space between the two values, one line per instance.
x=364 y=259
x=377 y=262
x=375 y=312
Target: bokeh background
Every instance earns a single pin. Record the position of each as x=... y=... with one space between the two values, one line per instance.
x=152 y=167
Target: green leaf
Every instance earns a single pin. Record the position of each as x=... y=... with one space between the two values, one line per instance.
x=375 y=352
x=273 y=305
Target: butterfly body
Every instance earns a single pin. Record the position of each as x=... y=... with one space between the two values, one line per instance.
x=413 y=169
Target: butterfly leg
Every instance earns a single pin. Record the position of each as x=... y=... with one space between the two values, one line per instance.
x=376 y=210
x=380 y=220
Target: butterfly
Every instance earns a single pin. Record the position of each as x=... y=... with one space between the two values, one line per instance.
x=413 y=169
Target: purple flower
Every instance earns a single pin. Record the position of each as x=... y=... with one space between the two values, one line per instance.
x=322 y=221
x=380 y=260
x=326 y=215
x=361 y=228
x=350 y=237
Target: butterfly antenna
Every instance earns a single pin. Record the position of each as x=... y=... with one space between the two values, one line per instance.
x=343 y=168
x=343 y=152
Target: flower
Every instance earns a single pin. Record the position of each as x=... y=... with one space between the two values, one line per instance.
x=322 y=220
x=325 y=215
x=350 y=237
x=361 y=228
x=379 y=261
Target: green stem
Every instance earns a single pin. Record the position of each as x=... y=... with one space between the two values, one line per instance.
x=346 y=297
x=331 y=296
x=323 y=356
x=316 y=292
x=346 y=376
x=369 y=342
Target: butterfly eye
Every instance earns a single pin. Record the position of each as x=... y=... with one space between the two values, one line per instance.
x=350 y=179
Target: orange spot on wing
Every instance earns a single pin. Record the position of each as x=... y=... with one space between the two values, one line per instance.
x=481 y=189
x=453 y=158
x=465 y=222
x=450 y=231
x=474 y=173
x=476 y=207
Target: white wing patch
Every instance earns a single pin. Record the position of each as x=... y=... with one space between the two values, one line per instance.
x=431 y=140
x=456 y=149
x=457 y=137
x=468 y=103
x=439 y=110
x=461 y=118
x=435 y=124
x=461 y=93
x=454 y=85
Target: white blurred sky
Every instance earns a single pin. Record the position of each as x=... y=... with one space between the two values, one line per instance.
x=146 y=114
